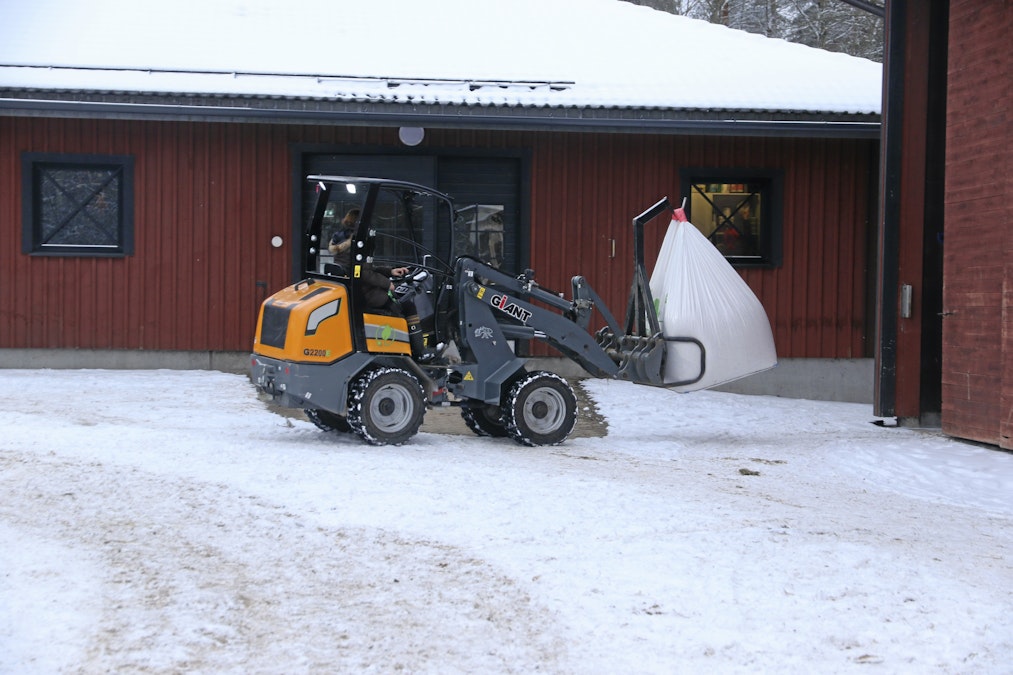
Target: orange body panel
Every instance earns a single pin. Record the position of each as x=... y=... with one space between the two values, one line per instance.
x=386 y=334
x=307 y=322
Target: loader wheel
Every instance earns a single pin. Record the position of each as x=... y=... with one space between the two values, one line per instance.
x=386 y=406
x=541 y=409
x=484 y=419
x=327 y=421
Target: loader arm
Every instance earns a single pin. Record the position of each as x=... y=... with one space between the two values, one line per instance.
x=495 y=308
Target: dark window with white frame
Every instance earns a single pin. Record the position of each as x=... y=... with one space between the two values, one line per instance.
x=739 y=211
x=77 y=205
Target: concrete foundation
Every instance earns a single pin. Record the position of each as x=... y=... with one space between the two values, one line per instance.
x=124 y=359
x=848 y=380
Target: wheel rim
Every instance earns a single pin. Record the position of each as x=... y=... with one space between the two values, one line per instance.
x=544 y=410
x=391 y=408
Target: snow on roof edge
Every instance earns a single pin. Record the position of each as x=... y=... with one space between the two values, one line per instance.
x=469 y=92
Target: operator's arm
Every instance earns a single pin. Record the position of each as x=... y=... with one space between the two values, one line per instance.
x=377 y=277
x=380 y=275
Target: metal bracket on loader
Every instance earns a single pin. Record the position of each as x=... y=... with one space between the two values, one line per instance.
x=640 y=353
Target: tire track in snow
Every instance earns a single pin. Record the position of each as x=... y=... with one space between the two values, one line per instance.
x=197 y=577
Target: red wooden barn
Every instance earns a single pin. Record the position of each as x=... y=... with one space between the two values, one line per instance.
x=152 y=172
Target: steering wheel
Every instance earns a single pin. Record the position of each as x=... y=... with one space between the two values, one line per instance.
x=415 y=274
x=412 y=282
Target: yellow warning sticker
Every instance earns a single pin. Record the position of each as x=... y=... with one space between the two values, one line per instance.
x=481 y=292
x=358 y=271
x=468 y=377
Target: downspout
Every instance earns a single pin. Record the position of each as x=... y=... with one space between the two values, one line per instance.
x=887 y=262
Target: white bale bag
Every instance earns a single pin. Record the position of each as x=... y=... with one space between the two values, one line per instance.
x=699 y=295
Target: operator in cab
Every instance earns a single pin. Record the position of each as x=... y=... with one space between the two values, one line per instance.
x=378 y=289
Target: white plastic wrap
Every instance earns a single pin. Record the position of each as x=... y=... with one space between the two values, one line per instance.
x=700 y=295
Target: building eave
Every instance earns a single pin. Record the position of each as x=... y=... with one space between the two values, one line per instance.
x=186 y=107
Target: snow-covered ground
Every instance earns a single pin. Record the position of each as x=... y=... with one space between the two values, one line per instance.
x=167 y=521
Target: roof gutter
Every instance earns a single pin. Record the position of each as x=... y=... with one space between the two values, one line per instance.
x=870 y=7
x=727 y=123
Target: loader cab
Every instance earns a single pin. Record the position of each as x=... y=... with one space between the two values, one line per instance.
x=390 y=224
x=394 y=222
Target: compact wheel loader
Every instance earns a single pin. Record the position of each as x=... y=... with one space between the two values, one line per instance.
x=319 y=347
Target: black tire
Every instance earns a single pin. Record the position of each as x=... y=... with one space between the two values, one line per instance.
x=328 y=421
x=386 y=406
x=540 y=409
x=484 y=419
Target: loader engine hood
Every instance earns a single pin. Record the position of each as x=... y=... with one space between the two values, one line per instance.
x=307 y=322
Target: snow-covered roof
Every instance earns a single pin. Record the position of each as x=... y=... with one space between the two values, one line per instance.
x=586 y=54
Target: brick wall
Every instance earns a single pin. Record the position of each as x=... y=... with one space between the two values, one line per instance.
x=977 y=385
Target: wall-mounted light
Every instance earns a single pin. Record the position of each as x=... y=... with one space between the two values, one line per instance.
x=411 y=135
x=277 y=241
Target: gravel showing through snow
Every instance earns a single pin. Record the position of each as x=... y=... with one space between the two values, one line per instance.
x=168 y=521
